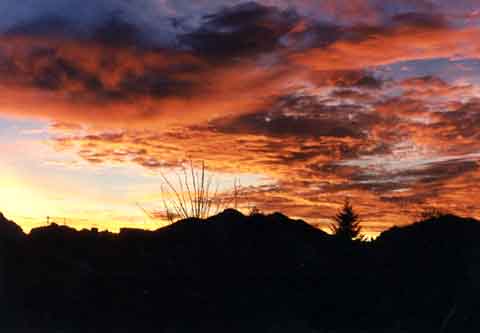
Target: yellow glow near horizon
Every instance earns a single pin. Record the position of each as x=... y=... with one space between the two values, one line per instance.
x=29 y=205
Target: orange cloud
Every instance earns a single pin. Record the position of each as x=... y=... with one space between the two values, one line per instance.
x=89 y=83
x=384 y=47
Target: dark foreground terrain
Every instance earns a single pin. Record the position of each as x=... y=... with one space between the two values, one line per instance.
x=235 y=273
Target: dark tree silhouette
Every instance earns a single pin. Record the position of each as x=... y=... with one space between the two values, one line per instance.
x=347 y=224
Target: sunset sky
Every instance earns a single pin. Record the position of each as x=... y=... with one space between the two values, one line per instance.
x=305 y=102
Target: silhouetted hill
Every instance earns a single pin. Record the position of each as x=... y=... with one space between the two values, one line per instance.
x=11 y=236
x=9 y=230
x=236 y=273
x=230 y=243
x=446 y=227
x=231 y=220
x=439 y=259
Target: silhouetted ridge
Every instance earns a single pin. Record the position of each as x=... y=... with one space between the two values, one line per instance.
x=8 y=229
x=433 y=267
x=237 y=273
x=232 y=221
x=228 y=214
x=448 y=227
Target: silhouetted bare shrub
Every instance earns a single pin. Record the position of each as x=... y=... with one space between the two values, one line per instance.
x=196 y=194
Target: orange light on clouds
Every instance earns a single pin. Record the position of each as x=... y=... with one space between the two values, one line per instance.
x=376 y=102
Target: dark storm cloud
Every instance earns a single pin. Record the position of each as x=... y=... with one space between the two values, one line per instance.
x=48 y=69
x=214 y=28
x=116 y=22
x=156 y=84
x=114 y=30
x=102 y=77
x=45 y=26
x=302 y=116
x=282 y=125
x=243 y=30
x=422 y=20
x=57 y=71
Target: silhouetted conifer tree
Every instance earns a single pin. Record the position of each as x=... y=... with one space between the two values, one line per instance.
x=347 y=224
